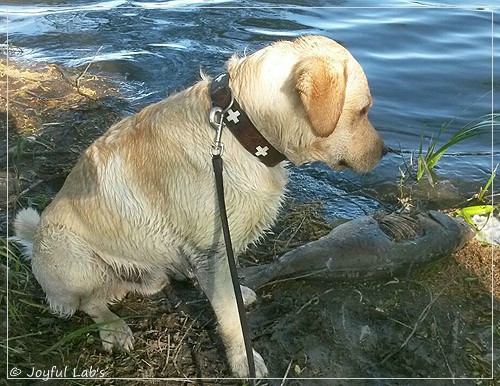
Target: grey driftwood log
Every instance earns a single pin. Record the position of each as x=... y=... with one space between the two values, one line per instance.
x=366 y=247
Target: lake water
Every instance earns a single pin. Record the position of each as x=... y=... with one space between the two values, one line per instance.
x=428 y=64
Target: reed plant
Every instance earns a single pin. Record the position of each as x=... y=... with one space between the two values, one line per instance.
x=481 y=205
x=426 y=162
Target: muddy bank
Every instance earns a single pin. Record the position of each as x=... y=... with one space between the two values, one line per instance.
x=54 y=114
x=427 y=321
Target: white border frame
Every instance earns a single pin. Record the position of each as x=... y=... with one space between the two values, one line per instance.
x=168 y=5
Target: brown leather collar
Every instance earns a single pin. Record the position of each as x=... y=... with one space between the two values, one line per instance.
x=240 y=124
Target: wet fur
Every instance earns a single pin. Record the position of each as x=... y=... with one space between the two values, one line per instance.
x=139 y=207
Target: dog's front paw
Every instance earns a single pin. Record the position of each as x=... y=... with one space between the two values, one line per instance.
x=116 y=334
x=249 y=296
x=239 y=365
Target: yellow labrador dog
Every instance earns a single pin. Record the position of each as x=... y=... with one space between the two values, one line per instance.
x=140 y=205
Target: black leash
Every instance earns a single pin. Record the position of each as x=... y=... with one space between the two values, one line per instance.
x=245 y=328
x=217 y=121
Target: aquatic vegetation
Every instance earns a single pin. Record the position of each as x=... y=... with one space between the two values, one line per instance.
x=426 y=162
x=481 y=215
x=484 y=189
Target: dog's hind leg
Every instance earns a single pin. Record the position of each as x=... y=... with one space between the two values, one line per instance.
x=74 y=277
x=114 y=332
x=249 y=296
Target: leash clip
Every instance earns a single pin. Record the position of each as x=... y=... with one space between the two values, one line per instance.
x=216 y=118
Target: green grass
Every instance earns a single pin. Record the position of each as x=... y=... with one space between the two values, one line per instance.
x=426 y=162
x=484 y=189
x=481 y=206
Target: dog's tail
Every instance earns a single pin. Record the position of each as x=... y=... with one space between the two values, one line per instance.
x=25 y=224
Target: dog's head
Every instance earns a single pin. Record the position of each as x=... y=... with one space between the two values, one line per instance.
x=309 y=98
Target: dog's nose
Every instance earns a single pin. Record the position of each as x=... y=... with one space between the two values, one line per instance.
x=386 y=149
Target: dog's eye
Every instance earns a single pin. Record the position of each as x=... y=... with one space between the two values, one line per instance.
x=364 y=110
x=367 y=105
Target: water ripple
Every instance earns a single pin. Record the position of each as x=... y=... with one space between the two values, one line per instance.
x=40 y=10
x=177 y=3
x=426 y=65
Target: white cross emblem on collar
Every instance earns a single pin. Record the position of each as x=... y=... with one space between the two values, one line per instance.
x=219 y=78
x=233 y=115
x=261 y=151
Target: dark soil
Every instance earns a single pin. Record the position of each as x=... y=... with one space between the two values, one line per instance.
x=432 y=321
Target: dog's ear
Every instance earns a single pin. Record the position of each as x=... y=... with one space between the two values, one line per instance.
x=321 y=84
